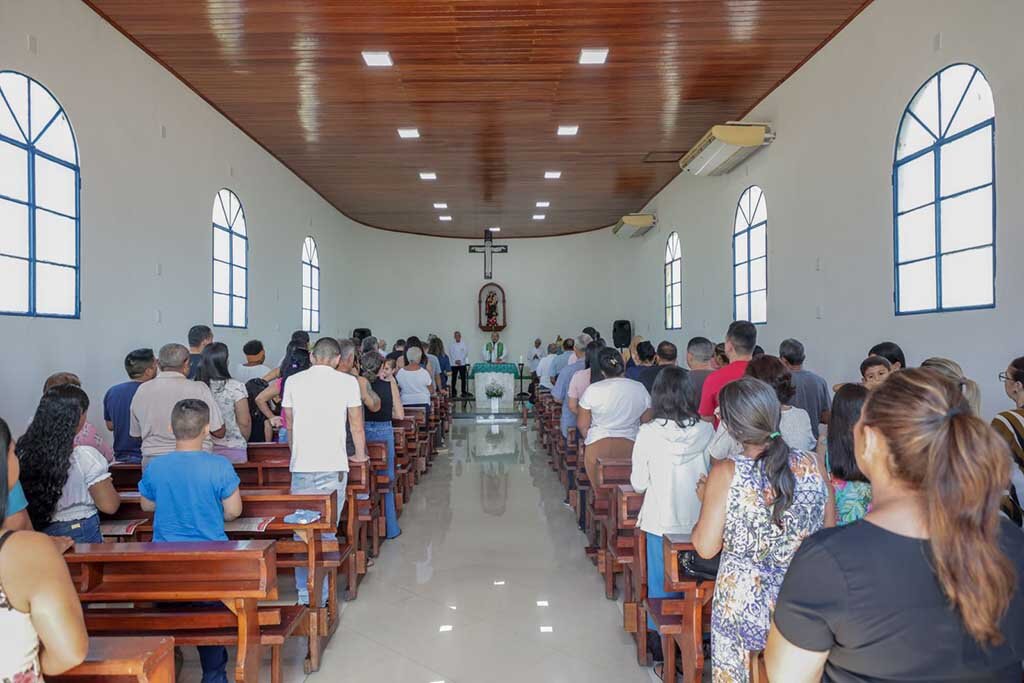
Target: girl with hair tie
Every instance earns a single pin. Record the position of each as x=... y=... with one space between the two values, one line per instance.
x=757 y=508
x=927 y=586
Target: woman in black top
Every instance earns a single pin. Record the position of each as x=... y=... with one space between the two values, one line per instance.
x=927 y=587
x=377 y=423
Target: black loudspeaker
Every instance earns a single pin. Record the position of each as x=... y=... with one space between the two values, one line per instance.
x=622 y=333
x=361 y=333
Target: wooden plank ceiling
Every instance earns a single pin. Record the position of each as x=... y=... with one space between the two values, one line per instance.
x=487 y=83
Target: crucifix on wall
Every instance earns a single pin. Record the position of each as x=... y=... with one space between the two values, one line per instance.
x=488 y=249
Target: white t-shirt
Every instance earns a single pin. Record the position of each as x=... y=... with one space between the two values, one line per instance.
x=794 y=427
x=616 y=405
x=88 y=467
x=544 y=370
x=414 y=386
x=320 y=398
x=244 y=373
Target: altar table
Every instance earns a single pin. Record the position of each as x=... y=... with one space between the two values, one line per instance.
x=502 y=374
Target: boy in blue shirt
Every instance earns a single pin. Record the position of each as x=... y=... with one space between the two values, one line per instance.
x=141 y=367
x=193 y=493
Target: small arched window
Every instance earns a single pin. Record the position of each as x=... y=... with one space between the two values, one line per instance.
x=230 y=261
x=310 y=286
x=673 y=283
x=40 y=183
x=750 y=257
x=944 y=195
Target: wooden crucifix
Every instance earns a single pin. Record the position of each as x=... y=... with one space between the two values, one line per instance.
x=488 y=249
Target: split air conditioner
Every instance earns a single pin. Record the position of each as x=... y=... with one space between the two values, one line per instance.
x=634 y=225
x=725 y=147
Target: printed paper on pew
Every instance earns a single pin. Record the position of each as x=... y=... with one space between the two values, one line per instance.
x=121 y=527
x=248 y=524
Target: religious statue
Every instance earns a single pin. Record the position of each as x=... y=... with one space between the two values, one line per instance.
x=492 y=314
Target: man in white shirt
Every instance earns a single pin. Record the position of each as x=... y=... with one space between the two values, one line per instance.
x=494 y=350
x=459 y=356
x=319 y=402
x=536 y=353
x=543 y=371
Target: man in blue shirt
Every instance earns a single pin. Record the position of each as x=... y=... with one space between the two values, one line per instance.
x=193 y=493
x=576 y=362
x=564 y=357
x=140 y=365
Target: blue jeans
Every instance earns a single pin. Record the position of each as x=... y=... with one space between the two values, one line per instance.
x=317 y=482
x=80 y=530
x=384 y=432
x=128 y=458
x=214 y=660
x=656 y=573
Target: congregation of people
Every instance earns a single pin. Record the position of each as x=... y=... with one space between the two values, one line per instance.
x=864 y=530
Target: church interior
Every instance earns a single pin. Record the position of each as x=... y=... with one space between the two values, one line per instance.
x=554 y=250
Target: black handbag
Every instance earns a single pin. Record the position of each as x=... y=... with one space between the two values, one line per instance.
x=693 y=565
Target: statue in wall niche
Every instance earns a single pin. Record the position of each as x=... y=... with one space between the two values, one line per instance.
x=492 y=314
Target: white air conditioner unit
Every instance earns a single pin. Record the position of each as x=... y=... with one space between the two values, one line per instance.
x=725 y=147
x=634 y=225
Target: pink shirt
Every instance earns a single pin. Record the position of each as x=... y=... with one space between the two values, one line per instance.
x=578 y=384
x=90 y=437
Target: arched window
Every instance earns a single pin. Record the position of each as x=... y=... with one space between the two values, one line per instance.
x=39 y=202
x=673 y=283
x=230 y=261
x=310 y=286
x=750 y=257
x=944 y=195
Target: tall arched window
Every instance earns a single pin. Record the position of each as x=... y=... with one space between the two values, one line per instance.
x=944 y=195
x=673 y=283
x=39 y=202
x=310 y=286
x=750 y=257
x=230 y=261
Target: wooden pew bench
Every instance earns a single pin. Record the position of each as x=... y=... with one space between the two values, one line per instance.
x=611 y=473
x=120 y=660
x=238 y=574
x=682 y=621
x=629 y=548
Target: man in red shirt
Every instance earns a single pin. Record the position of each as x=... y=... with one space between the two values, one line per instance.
x=740 y=340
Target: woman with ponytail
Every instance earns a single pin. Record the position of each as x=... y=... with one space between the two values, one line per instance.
x=927 y=586
x=952 y=370
x=757 y=508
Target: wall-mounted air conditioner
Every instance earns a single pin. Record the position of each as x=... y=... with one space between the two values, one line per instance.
x=634 y=225
x=725 y=147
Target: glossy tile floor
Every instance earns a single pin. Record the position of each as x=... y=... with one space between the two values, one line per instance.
x=487 y=584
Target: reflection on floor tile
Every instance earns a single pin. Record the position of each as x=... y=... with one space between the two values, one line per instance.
x=485 y=538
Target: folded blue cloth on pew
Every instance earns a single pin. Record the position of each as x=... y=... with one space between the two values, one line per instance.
x=302 y=517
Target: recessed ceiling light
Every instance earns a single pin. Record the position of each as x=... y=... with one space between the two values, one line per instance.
x=428 y=175
x=377 y=58
x=495 y=229
x=408 y=132
x=499 y=583
x=552 y=175
x=452 y=607
x=547 y=629
x=538 y=216
x=542 y=603
x=440 y=205
x=543 y=205
x=444 y=218
x=568 y=130
x=445 y=628
x=593 y=55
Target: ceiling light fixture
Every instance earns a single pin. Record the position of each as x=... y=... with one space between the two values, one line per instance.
x=499 y=583
x=408 y=132
x=444 y=218
x=428 y=175
x=568 y=130
x=440 y=205
x=552 y=175
x=377 y=58
x=543 y=205
x=593 y=55
x=495 y=229
x=542 y=603
x=547 y=629
x=445 y=628
x=538 y=216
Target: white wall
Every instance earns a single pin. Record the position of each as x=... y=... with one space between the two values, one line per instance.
x=827 y=183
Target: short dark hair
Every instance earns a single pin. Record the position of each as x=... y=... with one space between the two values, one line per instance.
x=188 y=417
x=399 y=344
x=667 y=351
x=743 y=336
x=645 y=351
x=594 y=334
x=253 y=347
x=568 y=343
x=138 y=361
x=702 y=348
x=792 y=351
x=771 y=371
x=300 y=337
x=197 y=334
x=890 y=351
x=874 y=362
x=758 y=351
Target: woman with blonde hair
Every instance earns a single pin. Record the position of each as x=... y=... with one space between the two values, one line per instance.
x=927 y=586
x=952 y=370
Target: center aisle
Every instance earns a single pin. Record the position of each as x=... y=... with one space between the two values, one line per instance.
x=487 y=584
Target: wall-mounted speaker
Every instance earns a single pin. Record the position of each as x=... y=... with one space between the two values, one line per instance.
x=622 y=333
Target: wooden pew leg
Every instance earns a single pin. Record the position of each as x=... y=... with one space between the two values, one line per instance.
x=275 y=664
x=668 y=647
x=247 y=662
x=312 y=662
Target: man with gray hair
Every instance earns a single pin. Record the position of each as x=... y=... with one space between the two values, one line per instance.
x=812 y=392
x=320 y=403
x=699 y=352
x=154 y=401
x=544 y=373
x=568 y=346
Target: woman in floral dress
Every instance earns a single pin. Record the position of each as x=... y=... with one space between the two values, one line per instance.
x=757 y=508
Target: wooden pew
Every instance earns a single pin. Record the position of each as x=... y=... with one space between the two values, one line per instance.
x=633 y=560
x=126 y=477
x=682 y=621
x=269 y=450
x=611 y=473
x=237 y=573
x=118 y=660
